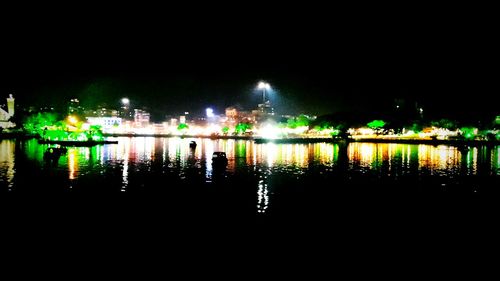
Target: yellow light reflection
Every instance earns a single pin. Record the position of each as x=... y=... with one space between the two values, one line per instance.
x=72 y=163
x=324 y=153
x=424 y=156
x=434 y=159
x=438 y=158
x=271 y=153
x=7 y=171
x=208 y=146
x=362 y=153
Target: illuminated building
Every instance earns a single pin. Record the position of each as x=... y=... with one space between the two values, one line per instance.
x=125 y=112
x=102 y=111
x=6 y=115
x=107 y=123
x=266 y=108
x=74 y=107
x=232 y=114
x=173 y=122
x=141 y=117
x=245 y=116
x=263 y=112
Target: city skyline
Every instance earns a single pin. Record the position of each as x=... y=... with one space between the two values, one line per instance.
x=314 y=68
x=161 y=93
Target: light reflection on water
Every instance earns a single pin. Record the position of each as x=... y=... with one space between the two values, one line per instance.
x=175 y=152
x=265 y=161
x=7 y=171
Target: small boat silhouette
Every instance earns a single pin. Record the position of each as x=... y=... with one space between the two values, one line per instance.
x=219 y=159
x=192 y=145
x=52 y=154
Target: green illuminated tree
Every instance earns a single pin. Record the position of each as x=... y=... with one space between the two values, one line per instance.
x=182 y=127
x=446 y=124
x=56 y=134
x=241 y=128
x=468 y=132
x=36 y=123
x=416 y=127
x=225 y=130
x=376 y=125
x=299 y=121
x=94 y=133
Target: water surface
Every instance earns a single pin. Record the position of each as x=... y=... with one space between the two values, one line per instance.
x=259 y=177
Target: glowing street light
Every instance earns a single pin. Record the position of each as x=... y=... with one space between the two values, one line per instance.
x=72 y=120
x=210 y=113
x=125 y=108
x=263 y=86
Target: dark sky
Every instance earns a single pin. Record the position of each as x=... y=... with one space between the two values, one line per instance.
x=318 y=63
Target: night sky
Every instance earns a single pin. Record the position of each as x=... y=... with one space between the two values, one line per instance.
x=317 y=64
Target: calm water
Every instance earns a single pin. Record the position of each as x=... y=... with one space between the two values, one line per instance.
x=258 y=176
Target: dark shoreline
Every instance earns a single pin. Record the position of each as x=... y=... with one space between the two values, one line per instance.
x=375 y=140
x=183 y=136
x=76 y=143
x=473 y=143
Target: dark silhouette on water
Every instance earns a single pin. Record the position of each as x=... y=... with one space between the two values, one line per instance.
x=219 y=160
x=52 y=154
x=192 y=145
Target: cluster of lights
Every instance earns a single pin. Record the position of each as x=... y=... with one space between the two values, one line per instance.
x=73 y=128
x=47 y=127
x=263 y=86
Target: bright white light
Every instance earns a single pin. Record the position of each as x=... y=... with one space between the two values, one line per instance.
x=125 y=101
x=269 y=132
x=263 y=85
x=365 y=131
x=210 y=113
x=72 y=120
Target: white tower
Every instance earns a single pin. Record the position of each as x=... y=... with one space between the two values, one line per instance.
x=10 y=105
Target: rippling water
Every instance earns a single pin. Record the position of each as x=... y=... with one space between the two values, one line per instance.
x=145 y=164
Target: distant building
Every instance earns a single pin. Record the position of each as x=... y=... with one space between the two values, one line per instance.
x=246 y=116
x=266 y=108
x=107 y=123
x=6 y=115
x=101 y=112
x=74 y=107
x=231 y=113
x=173 y=122
x=264 y=111
x=141 y=117
x=125 y=111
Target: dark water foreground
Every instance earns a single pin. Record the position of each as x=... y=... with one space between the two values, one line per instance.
x=158 y=187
